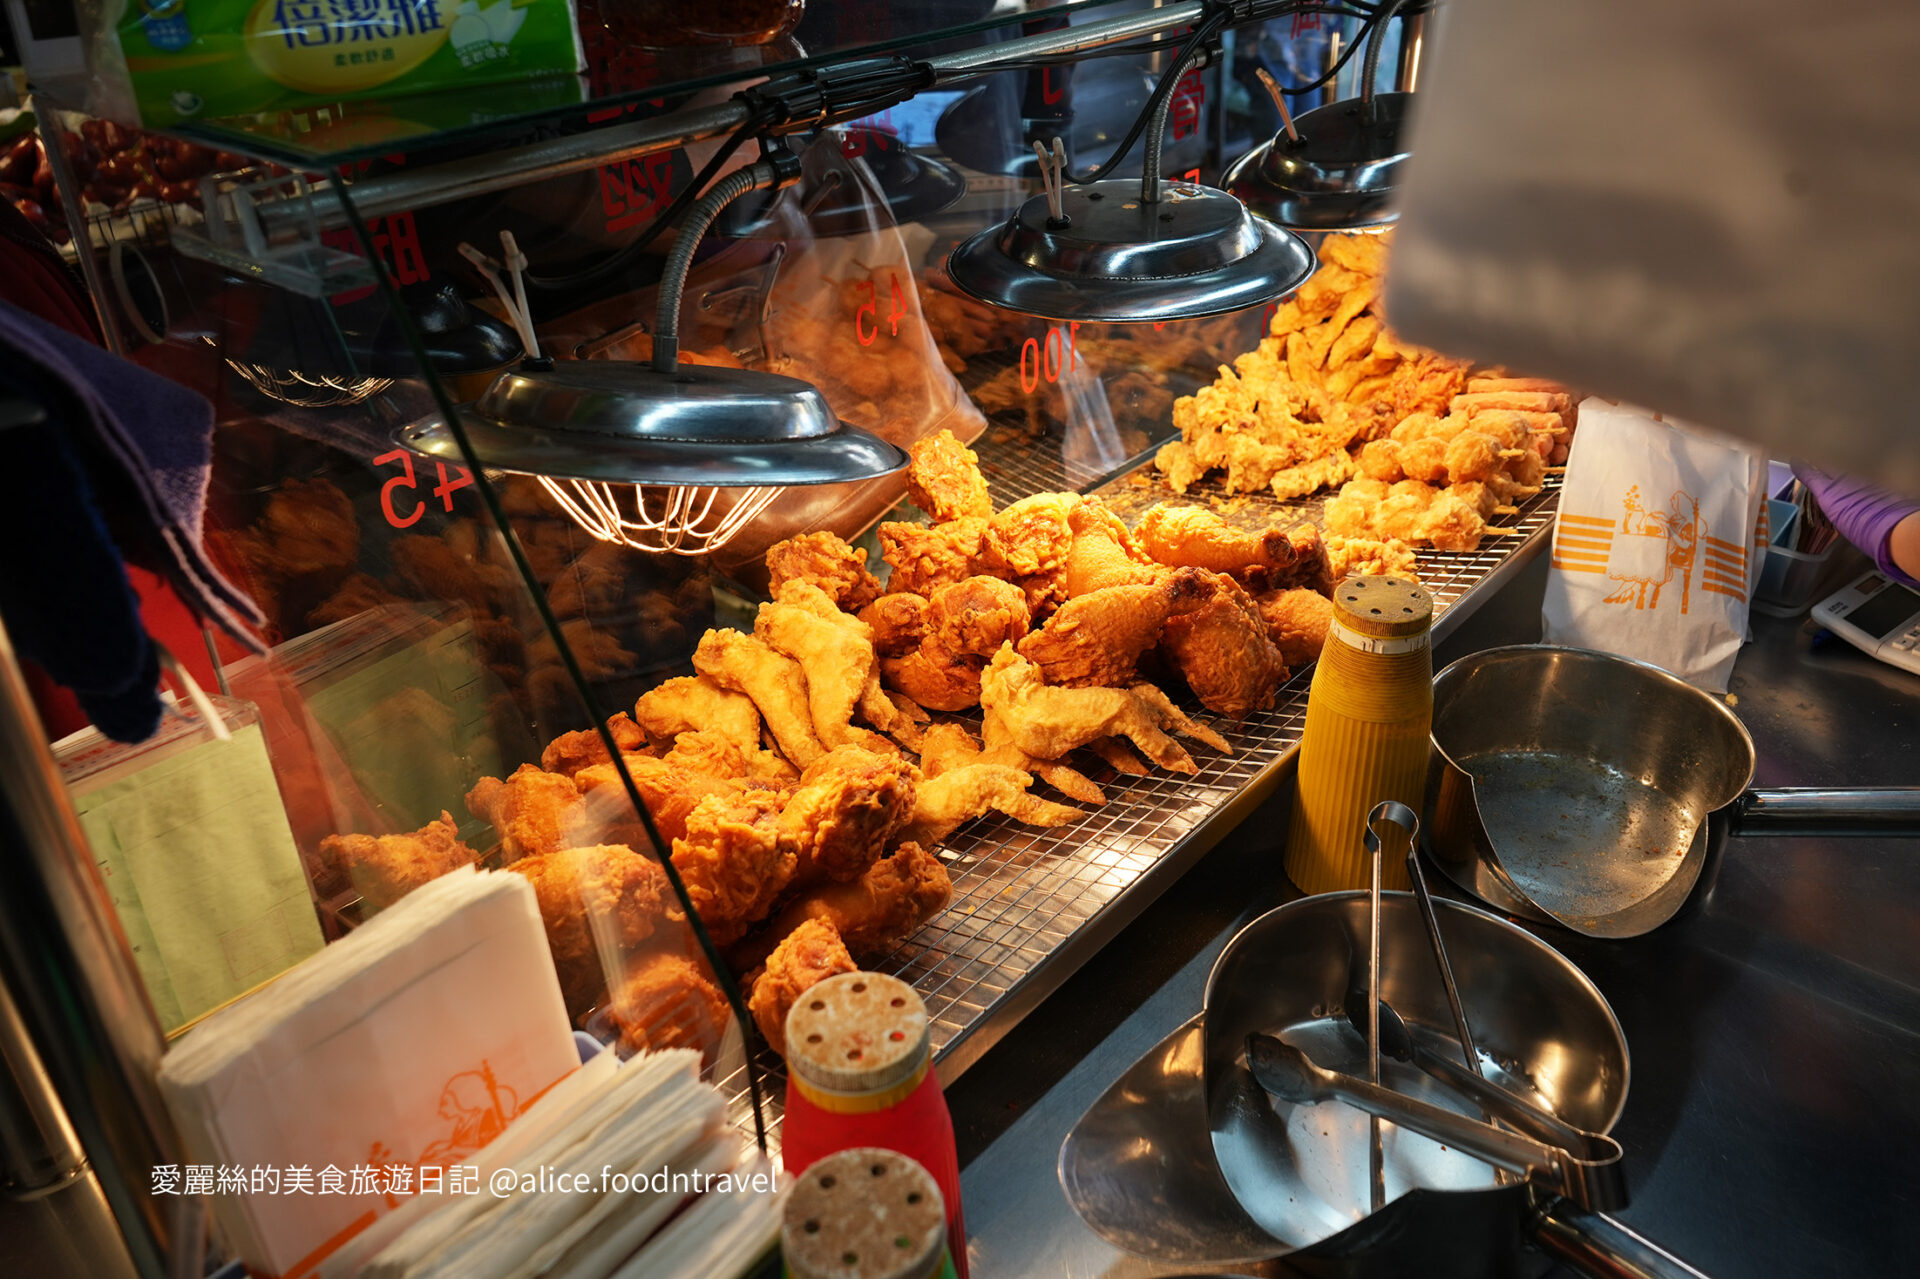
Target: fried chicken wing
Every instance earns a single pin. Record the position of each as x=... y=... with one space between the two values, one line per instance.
x=926 y=557
x=733 y=861
x=1223 y=651
x=568 y=753
x=777 y=685
x=1297 y=621
x=666 y=1000
x=942 y=804
x=848 y=807
x=385 y=868
x=1048 y=722
x=1097 y=638
x=531 y=810
x=828 y=562
x=944 y=479
x=812 y=952
x=698 y=702
x=949 y=746
x=602 y=891
x=1104 y=553
x=837 y=656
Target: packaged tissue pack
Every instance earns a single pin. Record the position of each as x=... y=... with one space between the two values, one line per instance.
x=193 y=59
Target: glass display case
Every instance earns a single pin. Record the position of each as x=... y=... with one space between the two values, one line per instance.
x=460 y=665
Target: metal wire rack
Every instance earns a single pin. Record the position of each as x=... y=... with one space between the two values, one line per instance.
x=1029 y=905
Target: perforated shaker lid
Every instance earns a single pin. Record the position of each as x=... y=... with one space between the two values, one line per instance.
x=864 y=1213
x=1383 y=606
x=857 y=1034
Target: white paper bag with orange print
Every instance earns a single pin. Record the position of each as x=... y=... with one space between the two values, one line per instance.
x=1658 y=543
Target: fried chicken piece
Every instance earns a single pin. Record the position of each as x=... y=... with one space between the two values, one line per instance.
x=599 y=892
x=385 y=868
x=1297 y=621
x=671 y=785
x=944 y=479
x=568 y=753
x=828 y=562
x=949 y=746
x=1311 y=477
x=848 y=807
x=964 y=624
x=1194 y=536
x=777 y=685
x=837 y=655
x=1349 y=555
x=812 y=952
x=733 y=861
x=1104 y=553
x=1380 y=460
x=666 y=1000
x=898 y=622
x=942 y=804
x=1223 y=651
x=1180 y=464
x=697 y=702
x=881 y=908
x=531 y=809
x=1027 y=544
x=1048 y=722
x=1410 y=511
x=1097 y=639
x=926 y=557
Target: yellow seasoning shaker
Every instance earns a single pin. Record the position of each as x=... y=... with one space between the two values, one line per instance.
x=865 y=1213
x=1369 y=715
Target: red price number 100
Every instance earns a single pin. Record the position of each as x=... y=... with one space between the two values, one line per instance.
x=444 y=490
x=868 y=312
x=1048 y=358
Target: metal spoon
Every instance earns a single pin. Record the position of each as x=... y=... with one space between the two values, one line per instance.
x=1594 y=1183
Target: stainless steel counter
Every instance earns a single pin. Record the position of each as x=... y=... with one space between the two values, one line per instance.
x=1774 y=1031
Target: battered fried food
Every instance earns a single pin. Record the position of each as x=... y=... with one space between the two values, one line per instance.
x=812 y=952
x=568 y=753
x=926 y=557
x=1223 y=651
x=849 y=805
x=944 y=479
x=385 y=868
x=1031 y=536
x=692 y=702
x=532 y=810
x=666 y=1000
x=671 y=786
x=1048 y=722
x=837 y=655
x=949 y=746
x=943 y=803
x=878 y=910
x=603 y=891
x=1348 y=555
x=733 y=861
x=963 y=624
x=777 y=685
x=898 y=622
x=828 y=562
x=1175 y=533
x=1097 y=638
x=1410 y=511
x=1104 y=553
x=1297 y=620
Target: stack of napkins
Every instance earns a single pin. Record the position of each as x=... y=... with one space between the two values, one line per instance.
x=584 y=1187
x=339 y=1092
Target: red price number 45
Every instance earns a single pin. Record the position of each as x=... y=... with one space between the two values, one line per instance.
x=444 y=490
x=868 y=312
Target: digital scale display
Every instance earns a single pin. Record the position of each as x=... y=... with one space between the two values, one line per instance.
x=1886 y=611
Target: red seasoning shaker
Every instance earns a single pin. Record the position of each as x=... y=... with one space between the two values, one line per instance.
x=859 y=1073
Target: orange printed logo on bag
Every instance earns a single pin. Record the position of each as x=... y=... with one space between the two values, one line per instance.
x=1647 y=549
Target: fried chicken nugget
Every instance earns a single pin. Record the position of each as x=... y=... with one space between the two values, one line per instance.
x=568 y=753
x=828 y=562
x=809 y=954
x=692 y=702
x=599 y=892
x=944 y=479
x=777 y=685
x=385 y=868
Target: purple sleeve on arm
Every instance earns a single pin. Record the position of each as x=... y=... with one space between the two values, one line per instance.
x=1863 y=514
